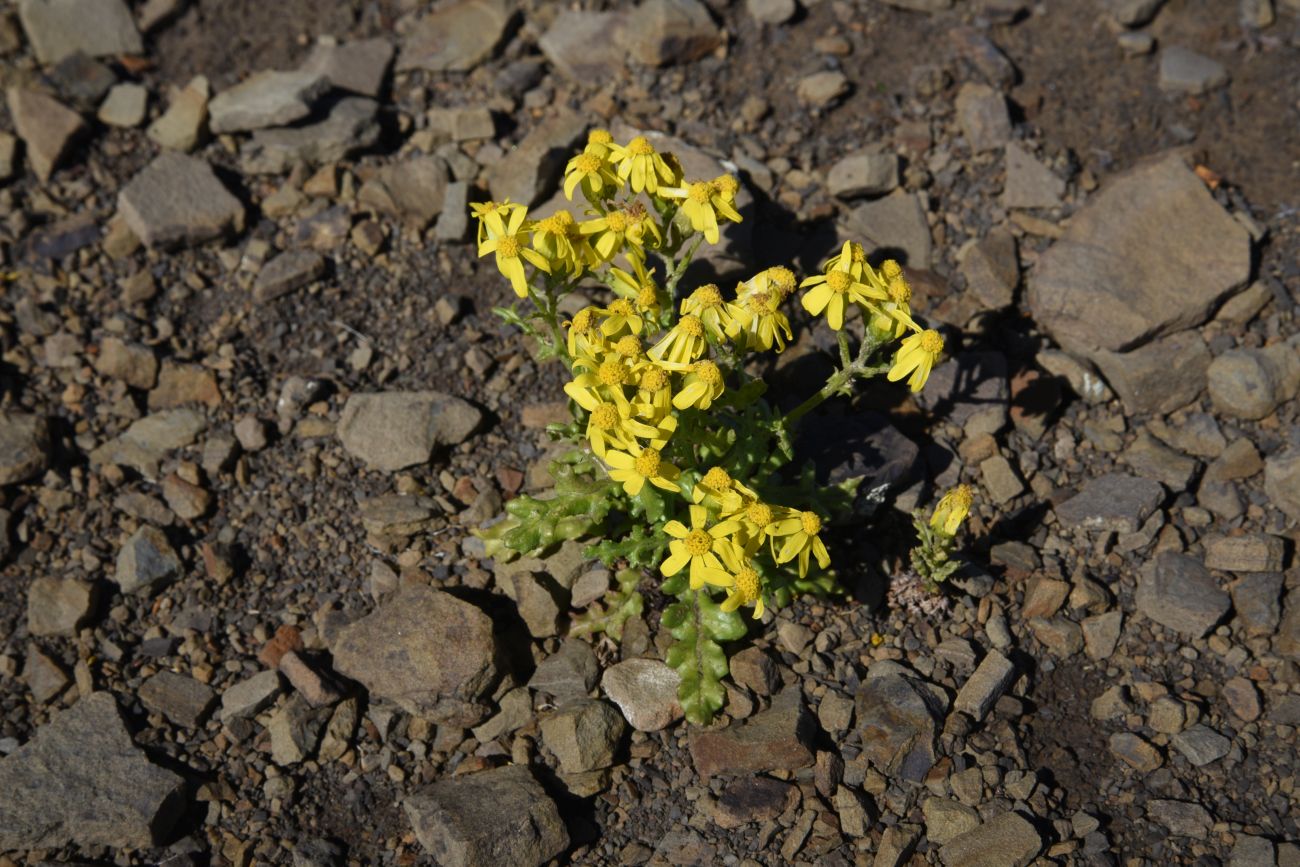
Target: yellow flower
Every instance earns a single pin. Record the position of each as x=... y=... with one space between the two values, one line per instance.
x=746 y=589
x=619 y=228
x=726 y=186
x=599 y=142
x=952 y=510
x=638 y=287
x=706 y=304
x=593 y=172
x=757 y=321
x=778 y=280
x=584 y=335
x=916 y=357
x=654 y=397
x=492 y=219
x=800 y=532
x=718 y=489
x=702 y=204
x=758 y=519
x=557 y=238
x=836 y=288
x=511 y=249
x=894 y=317
x=620 y=314
x=702 y=386
x=682 y=345
x=705 y=549
x=853 y=259
x=647 y=466
x=638 y=163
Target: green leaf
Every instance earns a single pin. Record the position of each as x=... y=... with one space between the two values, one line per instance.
x=718 y=624
x=696 y=657
x=611 y=614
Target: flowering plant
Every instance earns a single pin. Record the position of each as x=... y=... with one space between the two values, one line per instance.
x=682 y=466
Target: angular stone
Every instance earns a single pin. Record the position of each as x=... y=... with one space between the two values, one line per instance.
x=47 y=127
x=81 y=780
x=180 y=128
x=1007 y=840
x=1256 y=601
x=251 y=695
x=778 y=738
x=1159 y=377
x=501 y=816
x=1113 y=502
x=1201 y=744
x=1185 y=71
x=97 y=28
x=345 y=127
x=1249 y=851
x=1134 y=13
x=1182 y=818
x=296 y=729
x=396 y=514
x=753 y=799
x=866 y=173
x=357 y=67
x=58 y=606
x=178 y=200
x=540 y=601
x=268 y=98
x=24 y=446
x=146 y=562
x=530 y=171
x=134 y=364
x=645 y=690
x=393 y=430
x=983 y=688
x=662 y=32
x=894 y=227
x=983 y=116
x=1150 y=254
x=413 y=190
x=946 y=819
x=1061 y=636
x=43 y=676
x=1029 y=184
x=992 y=269
x=583 y=735
x=1135 y=752
x=125 y=105
x=1001 y=482
x=147 y=440
x=897 y=717
x=585 y=45
x=1101 y=633
x=183 y=700
x=286 y=273
x=455 y=38
x=821 y=89
x=453 y=222
x=969 y=384
x=1178 y=592
x=897 y=845
x=754 y=669
x=182 y=384
x=1282 y=481
x=1152 y=459
x=425 y=650
x=1252 y=383
x=1253 y=552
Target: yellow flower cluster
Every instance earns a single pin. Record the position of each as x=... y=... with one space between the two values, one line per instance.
x=562 y=245
x=884 y=298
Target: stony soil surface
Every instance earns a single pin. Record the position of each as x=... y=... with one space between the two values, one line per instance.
x=253 y=399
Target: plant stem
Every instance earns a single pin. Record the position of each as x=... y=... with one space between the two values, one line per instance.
x=840 y=379
x=680 y=266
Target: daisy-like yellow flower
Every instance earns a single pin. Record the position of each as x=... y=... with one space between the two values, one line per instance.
x=707 y=550
x=703 y=204
x=638 y=287
x=554 y=237
x=894 y=317
x=726 y=186
x=852 y=258
x=633 y=471
x=682 y=345
x=916 y=357
x=746 y=589
x=777 y=280
x=758 y=519
x=654 y=396
x=511 y=249
x=801 y=541
x=593 y=172
x=701 y=387
x=611 y=423
x=620 y=228
x=718 y=489
x=619 y=315
x=638 y=163
x=706 y=304
x=492 y=218
x=583 y=335
x=756 y=321
x=952 y=510
x=599 y=142
x=835 y=289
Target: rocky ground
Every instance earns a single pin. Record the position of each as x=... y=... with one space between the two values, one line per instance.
x=244 y=620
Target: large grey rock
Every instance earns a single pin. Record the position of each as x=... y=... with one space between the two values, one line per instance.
x=1157 y=377
x=897 y=717
x=58 y=606
x=1006 y=840
x=992 y=269
x=393 y=430
x=867 y=173
x=146 y=442
x=660 y=32
x=894 y=226
x=296 y=729
x=1178 y=592
x=181 y=126
x=269 y=98
x=983 y=688
x=584 y=45
x=146 y=562
x=983 y=116
x=47 y=127
x=645 y=690
x=1030 y=184
x=583 y=735
x=1149 y=255
x=183 y=700
x=425 y=650
x=356 y=67
x=530 y=171
x=98 y=28
x=1114 y=502
x=178 y=200
x=24 y=446
x=349 y=125
x=81 y=780
x=287 y=272
x=1182 y=818
x=570 y=672
x=251 y=695
x=1185 y=71
x=1282 y=481
x=779 y=738
x=497 y=817
x=455 y=38
x=1201 y=744
x=1251 y=383
x=413 y=190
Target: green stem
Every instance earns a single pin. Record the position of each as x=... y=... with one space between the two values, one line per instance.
x=840 y=379
x=679 y=268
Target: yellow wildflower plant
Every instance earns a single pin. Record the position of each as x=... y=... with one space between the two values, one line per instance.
x=933 y=557
x=684 y=465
